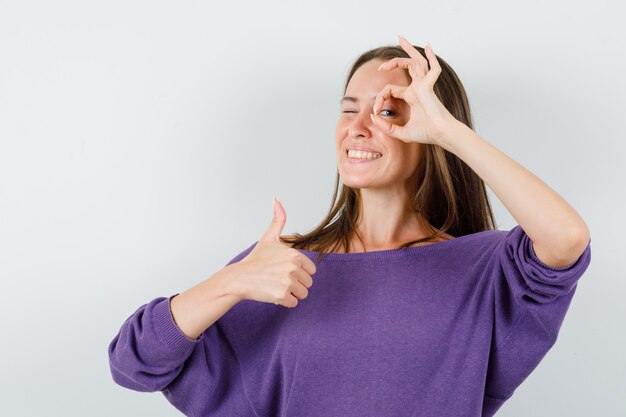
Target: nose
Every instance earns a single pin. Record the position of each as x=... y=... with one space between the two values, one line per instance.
x=362 y=124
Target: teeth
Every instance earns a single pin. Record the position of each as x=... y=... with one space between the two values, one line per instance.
x=363 y=155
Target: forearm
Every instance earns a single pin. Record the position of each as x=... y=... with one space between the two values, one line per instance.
x=554 y=226
x=202 y=305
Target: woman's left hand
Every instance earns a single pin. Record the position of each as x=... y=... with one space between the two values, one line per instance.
x=429 y=120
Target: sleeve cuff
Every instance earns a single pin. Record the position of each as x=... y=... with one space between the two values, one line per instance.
x=534 y=257
x=531 y=276
x=169 y=332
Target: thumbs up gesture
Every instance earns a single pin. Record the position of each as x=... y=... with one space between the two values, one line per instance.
x=274 y=272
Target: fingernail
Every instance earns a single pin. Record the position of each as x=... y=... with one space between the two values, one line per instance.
x=274 y=202
x=372 y=117
x=381 y=65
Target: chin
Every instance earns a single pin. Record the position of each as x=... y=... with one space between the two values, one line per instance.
x=352 y=182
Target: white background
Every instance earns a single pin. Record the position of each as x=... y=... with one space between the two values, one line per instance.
x=141 y=143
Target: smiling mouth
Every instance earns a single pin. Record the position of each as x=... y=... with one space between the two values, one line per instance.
x=377 y=155
x=360 y=161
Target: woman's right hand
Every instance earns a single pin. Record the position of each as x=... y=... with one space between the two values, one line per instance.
x=274 y=272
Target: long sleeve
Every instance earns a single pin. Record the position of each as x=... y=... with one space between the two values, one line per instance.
x=149 y=351
x=199 y=377
x=530 y=303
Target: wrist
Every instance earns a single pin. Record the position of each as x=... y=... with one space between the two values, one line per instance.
x=455 y=130
x=230 y=284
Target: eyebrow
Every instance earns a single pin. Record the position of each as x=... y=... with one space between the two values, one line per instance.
x=354 y=99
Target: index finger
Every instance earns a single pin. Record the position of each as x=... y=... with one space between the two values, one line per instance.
x=389 y=92
x=306 y=264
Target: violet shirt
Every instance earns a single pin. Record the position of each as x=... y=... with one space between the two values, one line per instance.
x=445 y=329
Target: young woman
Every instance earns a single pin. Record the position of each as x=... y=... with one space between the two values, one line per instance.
x=418 y=305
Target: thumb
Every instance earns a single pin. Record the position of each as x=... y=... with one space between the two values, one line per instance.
x=278 y=223
x=388 y=128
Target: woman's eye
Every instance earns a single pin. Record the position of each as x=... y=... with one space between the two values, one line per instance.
x=390 y=111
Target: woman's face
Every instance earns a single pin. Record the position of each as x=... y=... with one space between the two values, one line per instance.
x=396 y=160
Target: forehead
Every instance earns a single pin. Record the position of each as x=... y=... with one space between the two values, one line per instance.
x=367 y=80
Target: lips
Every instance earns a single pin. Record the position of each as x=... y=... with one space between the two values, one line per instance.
x=353 y=160
x=358 y=148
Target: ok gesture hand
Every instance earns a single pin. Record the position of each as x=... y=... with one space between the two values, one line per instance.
x=429 y=120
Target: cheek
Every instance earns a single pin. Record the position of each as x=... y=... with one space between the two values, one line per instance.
x=341 y=133
x=406 y=158
x=341 y=129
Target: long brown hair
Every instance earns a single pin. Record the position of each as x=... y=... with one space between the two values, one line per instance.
x=448 y=193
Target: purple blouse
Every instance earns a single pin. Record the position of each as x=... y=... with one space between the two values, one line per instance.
x=450 y=328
